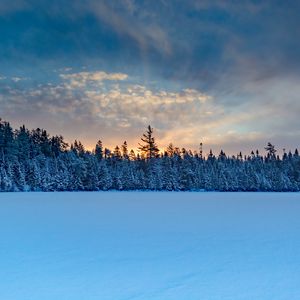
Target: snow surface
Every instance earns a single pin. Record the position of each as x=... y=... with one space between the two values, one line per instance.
x=149 y=245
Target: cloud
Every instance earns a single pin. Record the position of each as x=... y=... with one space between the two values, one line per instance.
x=206 y=45
x=119 y=16
x=213 y=70
x=116 y=109
x=17 y=79
x=81 y=79
x=115 y=104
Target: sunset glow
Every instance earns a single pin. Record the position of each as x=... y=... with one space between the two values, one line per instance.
x=215 y=72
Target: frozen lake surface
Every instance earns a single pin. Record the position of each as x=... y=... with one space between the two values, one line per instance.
x=149 y=245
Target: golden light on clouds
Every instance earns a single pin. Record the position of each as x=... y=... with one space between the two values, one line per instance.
x=98 y=105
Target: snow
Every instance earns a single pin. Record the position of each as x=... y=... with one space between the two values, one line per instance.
x=149 y=245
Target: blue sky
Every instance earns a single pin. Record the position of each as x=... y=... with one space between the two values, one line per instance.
x=222 y=72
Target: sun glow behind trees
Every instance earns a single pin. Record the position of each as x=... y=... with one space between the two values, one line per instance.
x=34 y=161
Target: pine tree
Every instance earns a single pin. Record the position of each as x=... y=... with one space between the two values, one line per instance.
x=125 y=151
x=170 y=150
x=117 y=153
x=104 y=177
x=149 y=149
x=99 y=150
x=271 y=151
x=132 y=155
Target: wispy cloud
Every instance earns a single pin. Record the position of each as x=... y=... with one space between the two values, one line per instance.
x=112 y=103
x=17 y=79
x=221 y=71
x=85 y=102
x=81 y=79
x=119 y=16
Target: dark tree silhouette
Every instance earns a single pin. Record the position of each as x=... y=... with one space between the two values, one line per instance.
x=149 y=149
x=271 y=151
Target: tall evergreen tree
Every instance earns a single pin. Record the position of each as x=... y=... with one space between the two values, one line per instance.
x=125 y=151
x=99 y=150
x=271 y=151
x=149 y=148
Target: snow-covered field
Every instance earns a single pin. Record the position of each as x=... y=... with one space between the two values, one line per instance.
x=149 y=245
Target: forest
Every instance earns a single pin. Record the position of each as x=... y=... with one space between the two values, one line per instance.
x=32 y=160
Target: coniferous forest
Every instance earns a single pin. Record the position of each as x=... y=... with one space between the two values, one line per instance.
x=31 y=160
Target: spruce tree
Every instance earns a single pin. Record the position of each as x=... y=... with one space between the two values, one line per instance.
x=99 y=150
x=149 y=148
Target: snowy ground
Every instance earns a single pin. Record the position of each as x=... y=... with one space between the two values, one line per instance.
x=136 y=245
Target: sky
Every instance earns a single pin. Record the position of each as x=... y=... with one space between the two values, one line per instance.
x=224 y=73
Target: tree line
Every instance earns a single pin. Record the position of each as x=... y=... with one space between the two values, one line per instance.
x=32 y=160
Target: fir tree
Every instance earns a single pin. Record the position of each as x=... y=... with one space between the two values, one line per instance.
x=149 y=148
